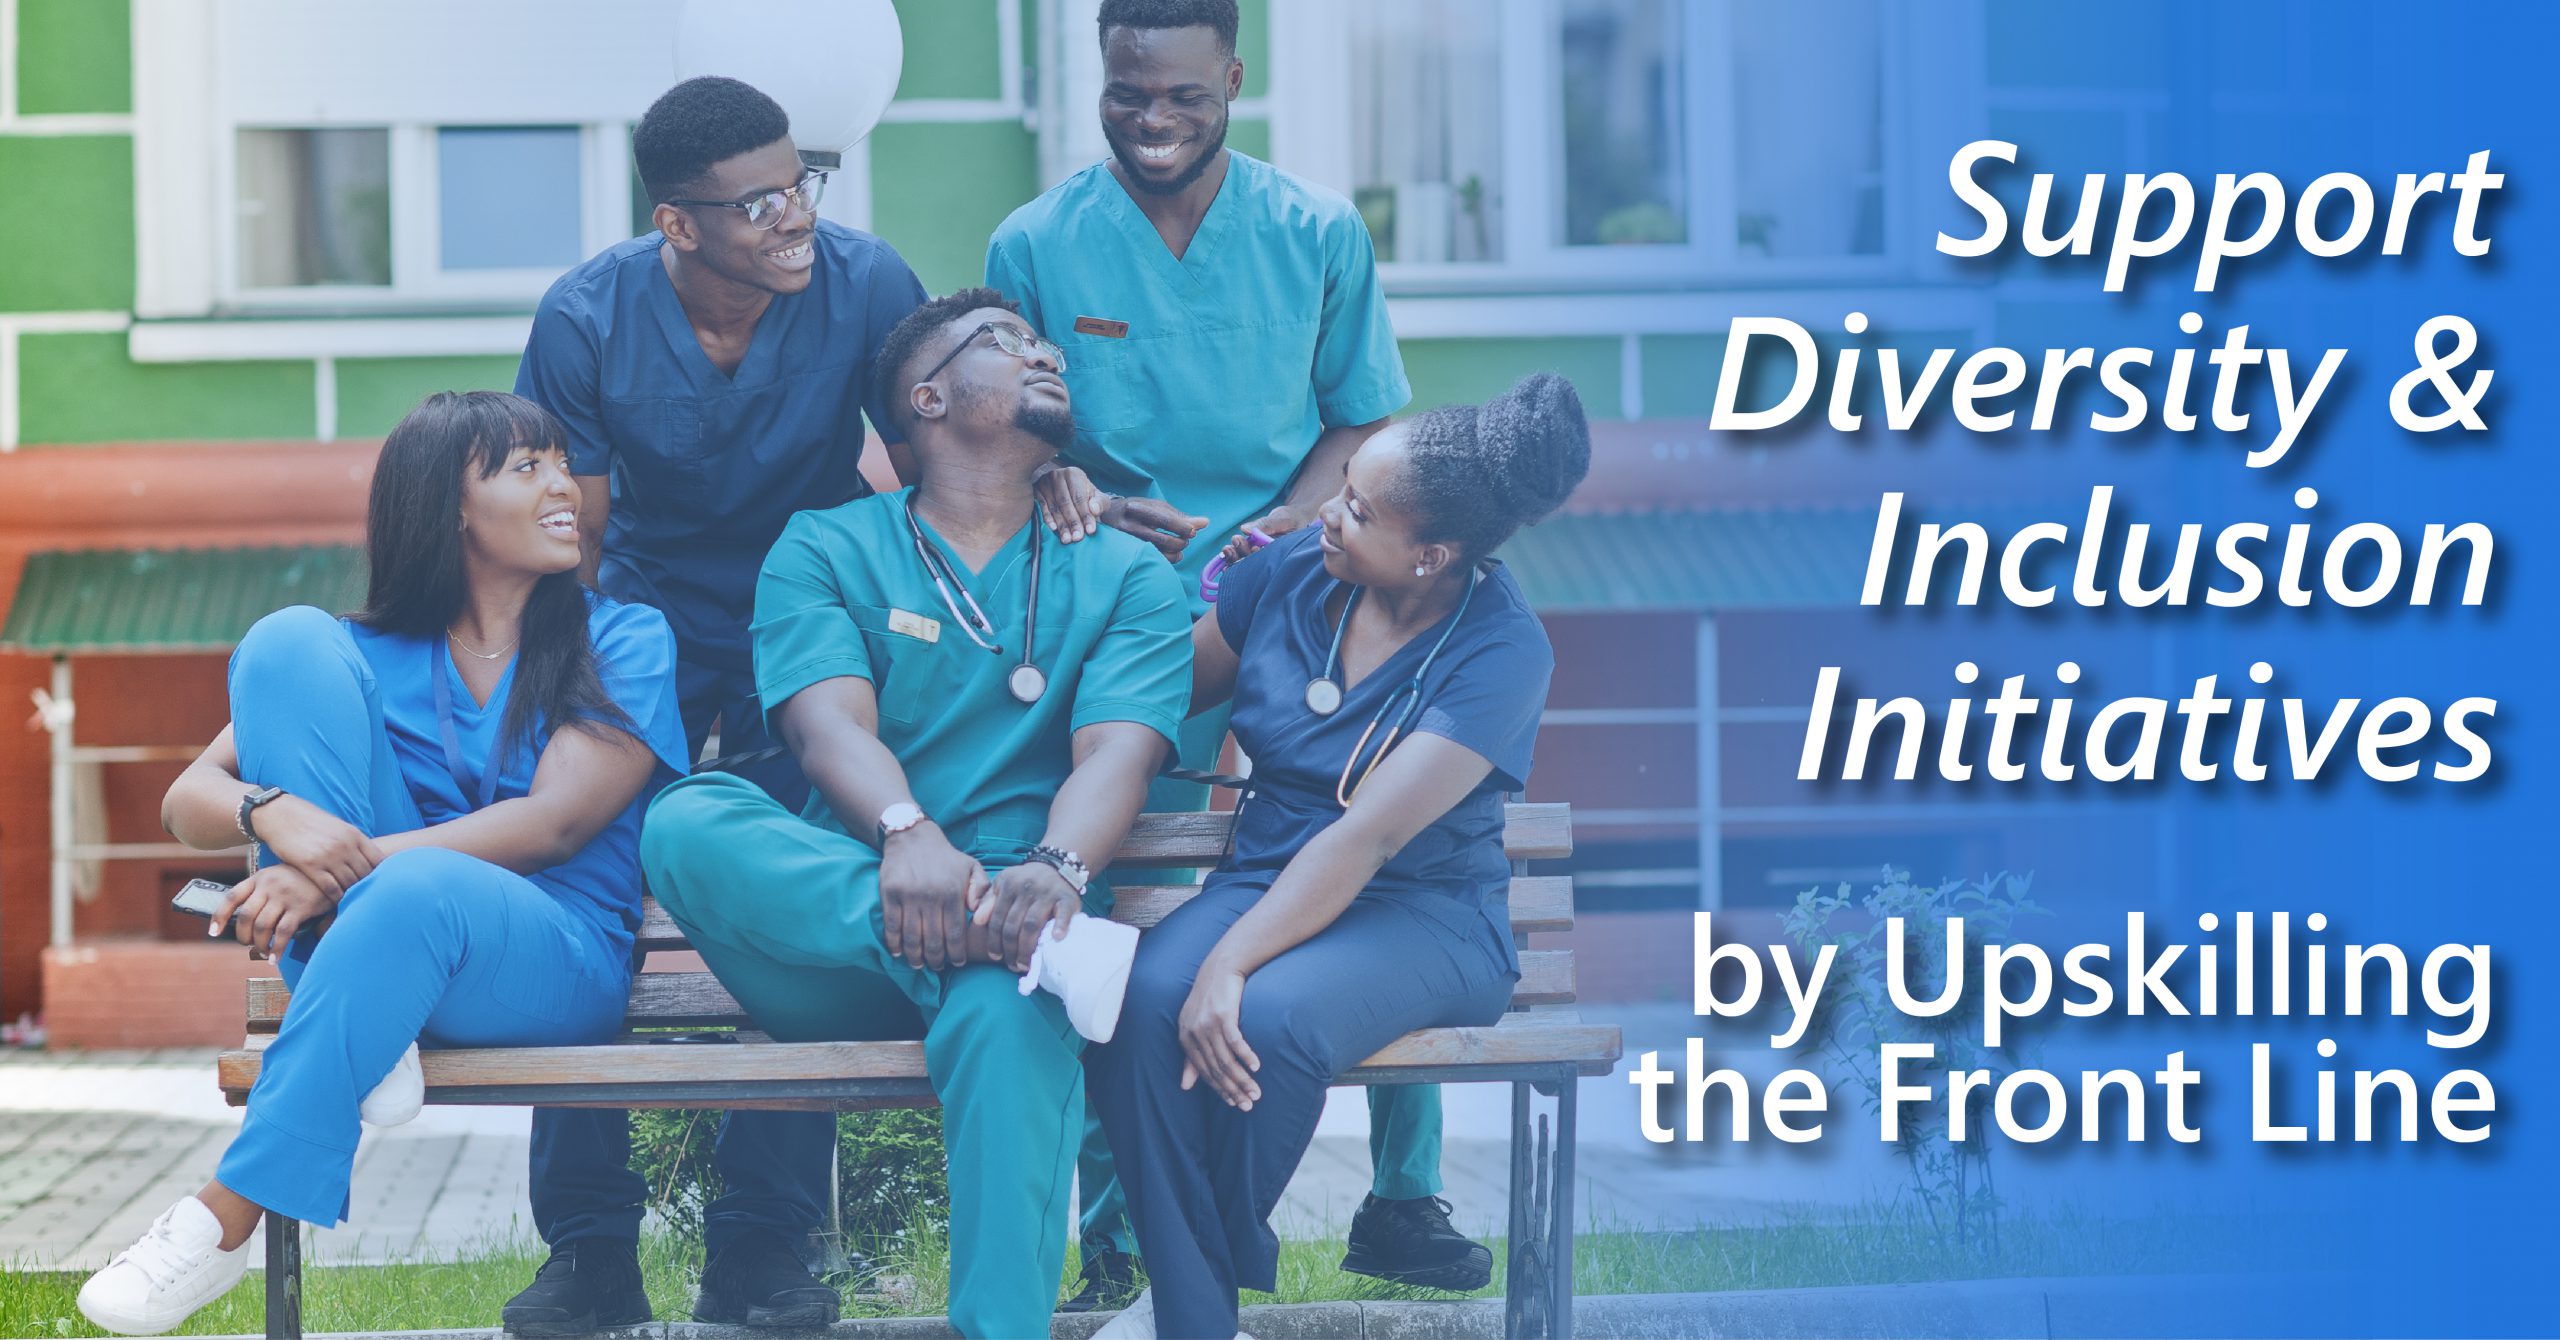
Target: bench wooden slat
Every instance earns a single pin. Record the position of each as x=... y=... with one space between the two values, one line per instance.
x=1538 y=903
x=696 y=999
x=1592 y=1048
x=1531 y=832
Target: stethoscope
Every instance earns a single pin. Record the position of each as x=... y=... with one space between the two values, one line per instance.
x=1026 y=683
x=1324 y=692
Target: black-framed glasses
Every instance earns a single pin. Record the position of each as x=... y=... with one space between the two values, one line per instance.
x=766 y=210
x=1010 y=338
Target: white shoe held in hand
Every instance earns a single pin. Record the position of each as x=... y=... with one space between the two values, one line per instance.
x=1137 y=1321
x=158 y=1282
x=400 y=1094
x=1089 y=970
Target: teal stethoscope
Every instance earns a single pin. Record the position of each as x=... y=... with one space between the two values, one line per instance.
x=1324 y=693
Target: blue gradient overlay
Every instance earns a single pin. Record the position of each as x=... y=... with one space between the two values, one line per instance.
x=2361 y=1238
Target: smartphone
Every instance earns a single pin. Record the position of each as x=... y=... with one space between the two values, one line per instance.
x=202 y=897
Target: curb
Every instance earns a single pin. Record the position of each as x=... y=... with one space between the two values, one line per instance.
x=2053 y=1309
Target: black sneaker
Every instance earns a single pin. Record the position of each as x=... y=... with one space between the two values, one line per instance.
x=587 y=1283
x=1411 y=1242
x=759 y=1281
x=1112 y=1279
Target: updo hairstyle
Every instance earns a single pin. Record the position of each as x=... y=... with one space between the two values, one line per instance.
x=1474 y=476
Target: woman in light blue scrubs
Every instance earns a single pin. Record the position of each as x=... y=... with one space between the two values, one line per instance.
x=446 y=789
x=1387 y=677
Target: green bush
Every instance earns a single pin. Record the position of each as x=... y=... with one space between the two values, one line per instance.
x=889 y=1173
x=1951 y=1182
x=890 y=1177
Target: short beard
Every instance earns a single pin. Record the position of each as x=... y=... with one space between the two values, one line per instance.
x=1200 y=166
x=1055 y=428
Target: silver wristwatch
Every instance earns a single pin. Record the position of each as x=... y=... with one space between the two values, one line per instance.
x=899 y=818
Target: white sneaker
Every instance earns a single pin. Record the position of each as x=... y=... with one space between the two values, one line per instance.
x=1137 y=1321
x=160 y=1281
x=400 y=1094
x=1089 y=970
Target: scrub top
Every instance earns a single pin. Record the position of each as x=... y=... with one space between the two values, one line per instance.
x=1233 y=359
x=1484 y=690
x=845 y=593
x=708 y=466
x=635 y=657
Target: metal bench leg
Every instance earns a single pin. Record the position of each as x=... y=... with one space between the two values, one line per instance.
x=1528 y=1286
x=1519 y=1277
x=1560 y=1236
x=284 y=1277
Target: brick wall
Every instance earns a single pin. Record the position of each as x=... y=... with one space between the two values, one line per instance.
x=138 y=993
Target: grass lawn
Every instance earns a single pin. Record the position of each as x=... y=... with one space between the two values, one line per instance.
x=1880 y=1247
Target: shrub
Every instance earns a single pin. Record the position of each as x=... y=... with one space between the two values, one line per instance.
x=1952 y=1183
x=890 y=1177
x=890 y=1174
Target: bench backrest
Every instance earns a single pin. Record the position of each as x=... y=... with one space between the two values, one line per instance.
x=697 y=1000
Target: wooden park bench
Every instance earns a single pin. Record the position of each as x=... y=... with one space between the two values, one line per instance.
x=1538 y=1046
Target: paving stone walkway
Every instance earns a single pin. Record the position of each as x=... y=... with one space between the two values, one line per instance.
x=94 y=1145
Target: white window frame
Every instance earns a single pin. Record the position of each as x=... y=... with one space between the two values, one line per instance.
x=419 y=279
x=1922 y=76
x=412 y=66
x=204 y=70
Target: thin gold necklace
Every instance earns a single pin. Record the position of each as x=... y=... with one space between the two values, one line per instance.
x=456 y=638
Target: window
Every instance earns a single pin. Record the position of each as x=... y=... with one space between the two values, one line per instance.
x=1620 y=99
x=438 y=159
x=417 y=214
x=1808 y=132
x=314 y=208
x=508 y=198
x=1511 y=143
x=1426 y=95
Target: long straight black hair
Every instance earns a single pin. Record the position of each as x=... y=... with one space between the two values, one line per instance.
x=413 y=547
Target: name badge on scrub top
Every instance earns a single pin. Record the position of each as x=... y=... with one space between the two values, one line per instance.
x=1104 y=327
x=915 y=626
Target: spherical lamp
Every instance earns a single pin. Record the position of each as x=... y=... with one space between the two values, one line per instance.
x=832 y=64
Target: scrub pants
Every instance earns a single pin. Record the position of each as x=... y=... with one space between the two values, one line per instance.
x=775 y=1167
x=433 y=947
x=787 y=914
x=1202 y=1178
x=1404 y=1119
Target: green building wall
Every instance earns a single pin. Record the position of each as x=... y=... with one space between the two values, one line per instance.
x=938 y=189
x=66 y=260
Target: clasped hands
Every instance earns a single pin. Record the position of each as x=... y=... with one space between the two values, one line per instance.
x=940 y=909
x=319 y=857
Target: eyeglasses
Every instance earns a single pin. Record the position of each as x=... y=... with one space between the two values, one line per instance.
x=768 y=209
x=1012 y=339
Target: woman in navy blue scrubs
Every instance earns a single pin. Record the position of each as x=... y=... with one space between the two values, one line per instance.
x=447 y=790
x=1387 y=678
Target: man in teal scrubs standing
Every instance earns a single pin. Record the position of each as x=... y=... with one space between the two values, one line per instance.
x=1229 y=349
x=979 y=708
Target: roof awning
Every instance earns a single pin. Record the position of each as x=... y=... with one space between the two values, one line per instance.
x=1793 y=558
x=170 y=600
x=202 y=600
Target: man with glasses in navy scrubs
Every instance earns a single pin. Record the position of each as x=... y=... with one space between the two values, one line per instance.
x=713 y=377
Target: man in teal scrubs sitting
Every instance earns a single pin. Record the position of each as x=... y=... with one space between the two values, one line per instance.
x=1229 y=349
x=979 y=708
